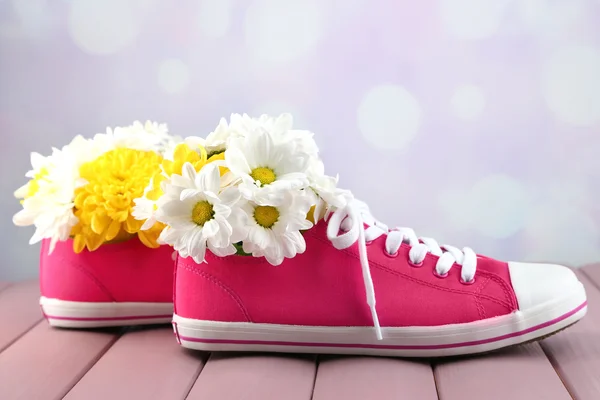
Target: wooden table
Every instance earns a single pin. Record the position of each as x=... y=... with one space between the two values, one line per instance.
x=39 y=362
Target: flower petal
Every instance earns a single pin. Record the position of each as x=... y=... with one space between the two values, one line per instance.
x=188 y=171
x=191 y=195
x=210 y=229
x=236 y=161
x=209 y=179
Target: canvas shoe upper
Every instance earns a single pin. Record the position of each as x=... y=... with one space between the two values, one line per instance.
x=122 y=283
x=362 y=288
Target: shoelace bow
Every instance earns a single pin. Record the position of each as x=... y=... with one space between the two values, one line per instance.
x=351 y=221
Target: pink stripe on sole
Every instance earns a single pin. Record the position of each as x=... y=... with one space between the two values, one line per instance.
x=135 y=317
x=393 y=347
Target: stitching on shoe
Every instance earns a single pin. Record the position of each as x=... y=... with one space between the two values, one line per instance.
x=510 y=301
x=478 y=303
x=221 y=285
x=87 y=273
x=479 y=306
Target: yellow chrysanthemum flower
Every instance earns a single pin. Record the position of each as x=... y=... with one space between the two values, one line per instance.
x=150 y=237
x=181 y=154
x=105 y=203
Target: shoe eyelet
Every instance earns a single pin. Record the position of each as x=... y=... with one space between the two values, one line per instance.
x=472 y=281
x=394 y=255
x=415 y=265
x=438 y=275
x=368 y=242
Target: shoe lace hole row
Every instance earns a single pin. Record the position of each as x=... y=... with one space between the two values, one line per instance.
x=418 y=265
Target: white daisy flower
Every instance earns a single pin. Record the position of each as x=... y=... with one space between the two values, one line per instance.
x=198 y=215
x=267 y=169
x=245 y=123
x=281 y=127
x=216 y=141
x=274 y=231
x=150 y=136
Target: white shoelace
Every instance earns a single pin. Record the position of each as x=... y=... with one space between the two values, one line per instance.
x=351 y=221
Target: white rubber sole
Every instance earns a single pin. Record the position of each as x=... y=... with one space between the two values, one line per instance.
x=74 y=314
x=430 y=341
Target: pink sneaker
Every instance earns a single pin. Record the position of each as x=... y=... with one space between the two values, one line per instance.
x=303 y=288
x=315 y=302
x=118 y=284
x=101 y=263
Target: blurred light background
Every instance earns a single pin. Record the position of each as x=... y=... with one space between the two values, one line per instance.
x=475 y=122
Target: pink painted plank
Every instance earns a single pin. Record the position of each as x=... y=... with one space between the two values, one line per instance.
x=373 y=378
x=19 y=310
x=143 y=364
x=521 y=372
x=46 y=362
x=255 y=376
x=575 y=353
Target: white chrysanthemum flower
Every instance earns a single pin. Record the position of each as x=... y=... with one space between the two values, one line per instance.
x=40 y=165
x=48 y=196
x=274 y=231
x=281 y=127
x=216 y=141
x=150 y=136
x=267 y=169
x=198 y=215
x=71 y=156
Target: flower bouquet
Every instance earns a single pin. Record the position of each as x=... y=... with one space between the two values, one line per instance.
x=86 y=190
x=250 y=188
x=80 y=200
x=110 y=210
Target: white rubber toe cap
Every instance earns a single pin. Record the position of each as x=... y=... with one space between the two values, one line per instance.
x=536 y=284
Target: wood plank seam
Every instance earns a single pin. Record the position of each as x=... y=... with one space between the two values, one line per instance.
x=2 y=288
x=91 y=364
x=36 y=323
x=435 y=379
x=317 y=363
x=556 y=367
x=197 y=375
x=554 y=362
x=553 y=354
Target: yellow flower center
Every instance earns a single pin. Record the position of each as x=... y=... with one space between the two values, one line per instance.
x=264 y=175
x=266 y=216
x=105 y=203
x=202 y=213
